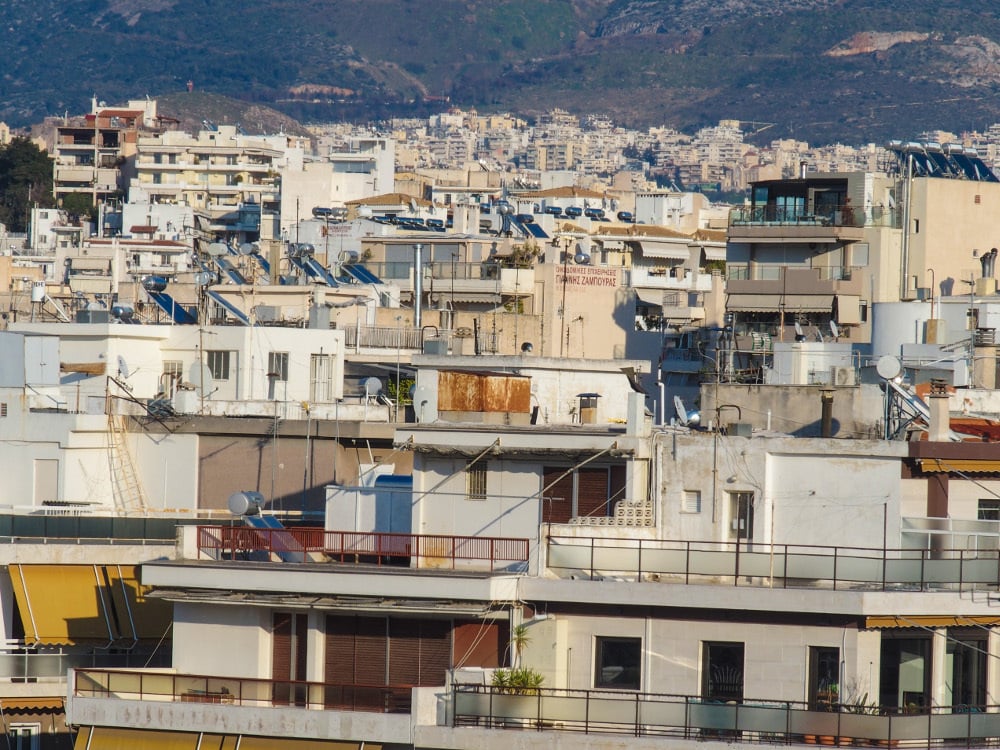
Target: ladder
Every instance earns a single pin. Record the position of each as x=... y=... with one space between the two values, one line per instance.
x=126 y=488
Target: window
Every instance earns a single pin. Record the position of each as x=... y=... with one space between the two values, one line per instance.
x=722 y=672
x=824 y=676
x=741 y=513
x=617 y=663
x=24 y=736
x=218 y=364
x=692 y=501
x=277 y=366
x=173 y=373
x=989 y=510
x=320 y=378
x=475 y=481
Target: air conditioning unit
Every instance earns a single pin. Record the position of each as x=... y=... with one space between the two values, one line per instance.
x=842 y=376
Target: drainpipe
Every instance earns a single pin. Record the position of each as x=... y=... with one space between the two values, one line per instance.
x=418 y=283
x=905 y=248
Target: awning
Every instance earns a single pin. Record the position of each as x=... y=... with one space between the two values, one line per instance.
x=931 y=621
x=774 y=302
x=967 y=465
x=677 y=250
x=479 y=297
x=98 y=604
x=21 y=705
x=753 y=302
x=715 y=253
x=652 y=297
x=111 y=738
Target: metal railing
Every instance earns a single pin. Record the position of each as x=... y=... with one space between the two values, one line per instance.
x=235 y=543
x=383 y=337
x=776 y=565
x=844 y=215
x=691 y=717
x=165 y=687
x=22 y=664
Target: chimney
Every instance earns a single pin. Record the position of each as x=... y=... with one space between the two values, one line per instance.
x=939 y=430
x=826 y=421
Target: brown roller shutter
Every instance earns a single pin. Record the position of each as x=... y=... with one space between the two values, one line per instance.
x=281 y=656
x=339 y=658
x=557 y=499
x=435 y=652
x=479 y=644
x=371 y=644
x=404 y=652
x=592 y=492
x=617 y=481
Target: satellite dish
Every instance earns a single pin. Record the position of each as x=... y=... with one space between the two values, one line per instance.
x=203 y=278
x=688 y=420
x=888 y=367
x=372 y=386
x=246 y=248
x=414 y=208
x=201 y=378
x=799 y=336
x=834 y=330
x=123 y=371
x=215 y=249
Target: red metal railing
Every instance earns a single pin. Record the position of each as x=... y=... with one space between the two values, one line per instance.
x=239 y=691
x=421 y=550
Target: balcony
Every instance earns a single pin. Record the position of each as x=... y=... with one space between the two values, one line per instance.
x=318 y=545
x=164 y=700
x=460 y=281
x=596 y=712
x=775 y=565
x=828 y=224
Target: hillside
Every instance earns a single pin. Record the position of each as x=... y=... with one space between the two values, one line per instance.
x=821 y=70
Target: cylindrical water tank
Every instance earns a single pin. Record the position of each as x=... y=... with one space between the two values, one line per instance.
x=895 y=324
x=245 y=503
x=37 y=291
x=154 y=283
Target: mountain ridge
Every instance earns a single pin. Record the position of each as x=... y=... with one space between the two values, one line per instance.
x=893 y=71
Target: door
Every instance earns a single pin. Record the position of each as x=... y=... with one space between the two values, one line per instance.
x=289 y=636
x=722 y=672
x=824 y=677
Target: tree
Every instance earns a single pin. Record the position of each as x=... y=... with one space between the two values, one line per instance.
x=79 y=204
x=25 y=180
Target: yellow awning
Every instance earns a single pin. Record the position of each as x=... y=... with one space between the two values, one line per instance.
x=276 y=743
x=102 y=604
x=32 y=704
x=931 y=621
x=109 y=738
x=968 y=465
x=62 y=604
x=138 y=617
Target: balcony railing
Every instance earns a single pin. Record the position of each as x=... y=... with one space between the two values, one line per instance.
x=826 y=216
x=19 y=663
x=774 y=271
x=295 y=544
x=690 y=717
x=168 y=687
x=777 y=565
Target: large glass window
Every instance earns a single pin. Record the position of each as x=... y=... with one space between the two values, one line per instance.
x=617 y=663
x=218 y=364
x=905 y=672
x=321 y=378
x=722 y=671
x=965 y=662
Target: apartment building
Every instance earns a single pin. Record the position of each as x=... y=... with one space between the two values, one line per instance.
x=92 y=155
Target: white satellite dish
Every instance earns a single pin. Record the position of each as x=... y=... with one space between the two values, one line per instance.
x=216 y=249
x=888 y=367
x=799 y=336
x=413 y=206
x=200 y=377
x=246 y=248
x=123 y=371
x=834 y=330
x=686 y=418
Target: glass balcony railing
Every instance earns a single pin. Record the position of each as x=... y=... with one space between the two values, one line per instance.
x=844 y=215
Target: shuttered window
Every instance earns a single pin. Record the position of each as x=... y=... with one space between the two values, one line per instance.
x=592 y=492
x=557 y=499
x=479 y=644
x=289 y=635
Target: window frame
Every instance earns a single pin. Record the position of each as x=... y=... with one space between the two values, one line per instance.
x=277 y=366
x=219 y=361
x=476 y=481
x=601 y=664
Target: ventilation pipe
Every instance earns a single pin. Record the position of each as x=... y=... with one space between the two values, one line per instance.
x=418 y=283
x=826 y=420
